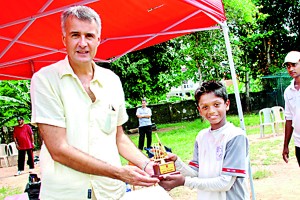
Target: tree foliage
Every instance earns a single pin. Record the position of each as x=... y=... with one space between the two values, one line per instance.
x=14 y=102
x=205 y=52
x=275 y=32
x=148 y=73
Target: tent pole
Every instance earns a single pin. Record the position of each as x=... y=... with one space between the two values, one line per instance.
x=237 y=95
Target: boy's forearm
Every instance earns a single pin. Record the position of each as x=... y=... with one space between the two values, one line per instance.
x=216 y=184
x=185 y=169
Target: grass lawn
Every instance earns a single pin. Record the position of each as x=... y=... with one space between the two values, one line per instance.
x=7 y=191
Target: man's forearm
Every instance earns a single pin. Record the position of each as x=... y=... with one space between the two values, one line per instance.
x=128 y=149
x=85 y=163
x=32 y=139
x=144 y=116
x=288 y=132
x=60 y=151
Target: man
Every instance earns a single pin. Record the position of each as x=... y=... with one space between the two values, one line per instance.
x=24 y=139
x=79 y=109
x=145 y=126
x=292 y=105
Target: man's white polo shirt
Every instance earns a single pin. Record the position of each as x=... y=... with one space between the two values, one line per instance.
x=292 y=110
x=59 y=99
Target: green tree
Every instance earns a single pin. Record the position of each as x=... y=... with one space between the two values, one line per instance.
x=205 y=52
x=275 y=33
x=149 y=72
x=14 y=101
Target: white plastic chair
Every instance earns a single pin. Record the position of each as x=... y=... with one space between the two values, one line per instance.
x=12 y=149
x=278 y=113
x=3 y=154
x=266 y=119
x=12 y=154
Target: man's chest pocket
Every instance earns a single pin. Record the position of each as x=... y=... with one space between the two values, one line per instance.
x=108 y=119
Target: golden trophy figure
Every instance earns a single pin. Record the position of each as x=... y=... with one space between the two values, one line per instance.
x=162 y=165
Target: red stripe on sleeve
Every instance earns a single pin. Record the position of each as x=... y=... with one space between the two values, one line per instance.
x=234 y=170
x=193 y=164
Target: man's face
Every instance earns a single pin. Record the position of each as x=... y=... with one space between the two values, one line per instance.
x=20 y=121
x=144 y=104
x=293 y=69
x=81 y=40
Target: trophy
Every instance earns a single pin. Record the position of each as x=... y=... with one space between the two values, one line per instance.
x=162 y=165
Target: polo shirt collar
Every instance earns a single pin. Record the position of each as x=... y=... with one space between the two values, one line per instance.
x=99 y=76
x=66 y=69
x=293 y=84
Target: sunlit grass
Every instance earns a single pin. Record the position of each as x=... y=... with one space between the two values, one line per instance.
x=261 y=174
x=8 y=191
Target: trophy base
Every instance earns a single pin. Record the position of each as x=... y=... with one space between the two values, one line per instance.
x=164 y=168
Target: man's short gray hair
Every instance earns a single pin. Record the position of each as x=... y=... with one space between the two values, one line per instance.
x=82 y=13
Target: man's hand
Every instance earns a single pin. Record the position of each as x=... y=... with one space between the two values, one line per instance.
x=171 y=181
x=135 y=176
x=285 y=154
x=149 y=168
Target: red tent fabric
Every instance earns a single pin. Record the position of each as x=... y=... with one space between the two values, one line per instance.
x=30 y=33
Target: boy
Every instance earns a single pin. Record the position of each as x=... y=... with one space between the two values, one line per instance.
x=292 y=108
x=219 y=166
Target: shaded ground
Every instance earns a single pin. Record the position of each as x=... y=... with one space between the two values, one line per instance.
x=283 y=184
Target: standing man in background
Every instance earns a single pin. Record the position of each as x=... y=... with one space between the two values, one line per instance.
x=292 y=105
x=24 y=139
x=145 y=125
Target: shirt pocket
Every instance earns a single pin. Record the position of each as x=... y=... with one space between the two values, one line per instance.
x=108 y=119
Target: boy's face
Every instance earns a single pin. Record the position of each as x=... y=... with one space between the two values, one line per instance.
x=213 y=109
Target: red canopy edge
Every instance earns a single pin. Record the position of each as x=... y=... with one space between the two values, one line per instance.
x=31 y=38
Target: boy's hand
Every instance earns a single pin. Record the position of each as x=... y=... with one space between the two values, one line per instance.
x=171 y=157
x=171 y=181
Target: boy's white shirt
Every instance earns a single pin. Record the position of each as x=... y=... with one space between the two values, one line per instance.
x=212 y=183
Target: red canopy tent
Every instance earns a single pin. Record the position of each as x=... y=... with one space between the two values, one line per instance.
x=30 y=33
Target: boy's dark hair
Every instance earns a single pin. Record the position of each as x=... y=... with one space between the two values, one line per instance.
x=211 y=86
